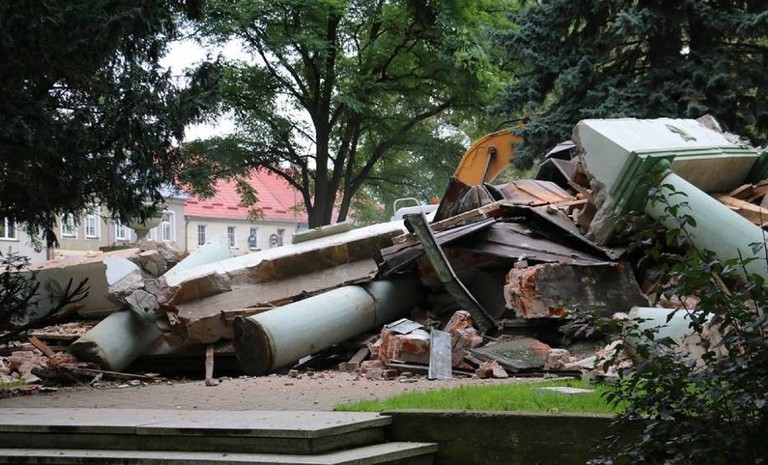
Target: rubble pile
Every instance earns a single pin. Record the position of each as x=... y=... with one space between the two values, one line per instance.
x=486 y=289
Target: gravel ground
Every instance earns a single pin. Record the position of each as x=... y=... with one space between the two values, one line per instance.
x=321 y=391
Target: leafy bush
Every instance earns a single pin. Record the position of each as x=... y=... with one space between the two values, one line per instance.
x=707 y=402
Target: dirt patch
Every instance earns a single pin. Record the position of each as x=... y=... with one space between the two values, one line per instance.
x=322 y=391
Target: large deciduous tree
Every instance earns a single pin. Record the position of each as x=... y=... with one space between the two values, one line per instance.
x=334 y=87
x=87 y=115
x=639 y=58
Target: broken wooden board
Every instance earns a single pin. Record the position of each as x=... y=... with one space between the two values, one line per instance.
x=754 y=213
x=484 y=213
x=533 y=192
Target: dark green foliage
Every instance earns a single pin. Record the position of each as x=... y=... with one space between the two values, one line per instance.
x=705 y=409
x=86 y=113
x=19 y=299
x=336 y=87
x=18 y=294
x=643 y=59
x=16 y=289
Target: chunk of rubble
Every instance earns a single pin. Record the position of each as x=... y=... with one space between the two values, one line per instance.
x=200 y=304
x=515 y=354
x=464 y=336
x=549 y=290
x=558 y=360
x=491 y=369
x=412 y=347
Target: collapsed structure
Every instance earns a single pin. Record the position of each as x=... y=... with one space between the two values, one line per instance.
x=484 y=289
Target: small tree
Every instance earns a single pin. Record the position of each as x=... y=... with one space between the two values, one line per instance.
x=18 y=289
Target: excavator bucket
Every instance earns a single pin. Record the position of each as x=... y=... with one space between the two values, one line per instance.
x=481 y=163
x=486 y=158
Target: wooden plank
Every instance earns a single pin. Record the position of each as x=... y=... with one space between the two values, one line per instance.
x=209 y=352
x=742 y=192
x=491 y=210
x=755 y=214
x=42 y=346
x=355 y=361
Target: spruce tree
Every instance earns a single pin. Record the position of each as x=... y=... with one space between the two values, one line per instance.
x=640 y=58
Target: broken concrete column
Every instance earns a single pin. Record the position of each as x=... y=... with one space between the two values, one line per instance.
x=279 y=337
x=718 y=228
x=116 y=341
x=628 y=156
x=121 y=337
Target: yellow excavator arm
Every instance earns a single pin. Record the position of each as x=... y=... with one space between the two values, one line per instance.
x=486 y=158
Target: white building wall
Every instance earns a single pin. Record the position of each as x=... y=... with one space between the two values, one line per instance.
x=22 y=244
x=217 y=231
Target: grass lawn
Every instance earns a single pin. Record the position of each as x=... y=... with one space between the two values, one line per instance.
x=508 y=396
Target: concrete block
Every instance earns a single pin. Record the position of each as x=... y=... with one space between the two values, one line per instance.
x=550 y=290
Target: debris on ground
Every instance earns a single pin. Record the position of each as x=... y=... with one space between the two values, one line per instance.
x=497 y=277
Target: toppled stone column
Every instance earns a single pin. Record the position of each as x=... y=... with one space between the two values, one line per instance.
x=279 y=337
x=121 y=337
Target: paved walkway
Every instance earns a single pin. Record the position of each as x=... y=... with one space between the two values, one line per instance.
x=320 y=392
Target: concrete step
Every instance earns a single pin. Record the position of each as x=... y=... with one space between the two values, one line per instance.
x=394 y=453
x=190 y=430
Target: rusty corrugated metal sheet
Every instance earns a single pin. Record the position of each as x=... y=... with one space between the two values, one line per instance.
x=518 y=242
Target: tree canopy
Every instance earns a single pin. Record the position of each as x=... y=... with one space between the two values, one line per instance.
x=87 y=115
x=640 y=58
x=335 y=87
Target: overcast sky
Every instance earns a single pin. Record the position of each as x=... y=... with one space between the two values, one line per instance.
x=186 y=53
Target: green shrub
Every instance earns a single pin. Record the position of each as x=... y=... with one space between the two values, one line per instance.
x=706 y=409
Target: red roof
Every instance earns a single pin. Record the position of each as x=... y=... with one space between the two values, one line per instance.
x=278 y=201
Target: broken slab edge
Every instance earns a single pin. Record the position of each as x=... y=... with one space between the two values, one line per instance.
x=252 y=346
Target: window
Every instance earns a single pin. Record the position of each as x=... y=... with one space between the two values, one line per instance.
x=280 y=237
x=231 y=235
x=201 y=228
x=7 y=229
x=92 y=226
x=253 y=239
x=122 y=233
x=68 y=225
x=167 y=227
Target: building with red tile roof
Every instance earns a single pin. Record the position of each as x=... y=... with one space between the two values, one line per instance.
x=279 y=212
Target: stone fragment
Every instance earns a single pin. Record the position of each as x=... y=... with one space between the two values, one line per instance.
x=569 y=391
x=463 y=336
x=557 y=360
x=515 y=354
x=491 y=369
x=551 y=290
x=152 y=262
